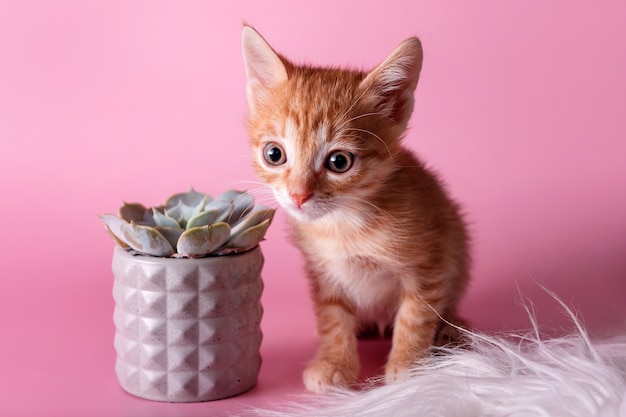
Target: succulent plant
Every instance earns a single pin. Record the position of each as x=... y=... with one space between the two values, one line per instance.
x=191 y=225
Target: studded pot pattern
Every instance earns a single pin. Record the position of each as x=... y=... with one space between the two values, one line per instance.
x=187 y=330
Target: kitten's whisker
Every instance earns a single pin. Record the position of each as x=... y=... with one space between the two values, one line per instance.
x=345 y=122
x=373 y=134
x=354 y=103
x=261 y=191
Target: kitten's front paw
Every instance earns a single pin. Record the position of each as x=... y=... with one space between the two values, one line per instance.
x=396 y=371
x=320 y=376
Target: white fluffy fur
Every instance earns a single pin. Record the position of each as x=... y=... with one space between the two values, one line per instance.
x=497 y=375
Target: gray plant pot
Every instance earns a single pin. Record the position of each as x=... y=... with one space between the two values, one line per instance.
x=187 y=330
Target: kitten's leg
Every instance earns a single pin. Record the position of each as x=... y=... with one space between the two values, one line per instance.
x=337 y=361
x=449 y=332
x=414 y=330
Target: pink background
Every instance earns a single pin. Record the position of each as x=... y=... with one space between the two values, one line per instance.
x=521 y=107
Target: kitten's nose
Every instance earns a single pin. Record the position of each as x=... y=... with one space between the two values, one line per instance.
x=300 y=198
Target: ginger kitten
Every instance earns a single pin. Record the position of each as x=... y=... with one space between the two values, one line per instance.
x=384 y=245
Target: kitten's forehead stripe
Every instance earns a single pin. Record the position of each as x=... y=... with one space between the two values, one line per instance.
x=322 y=136
x=290 y=133
x=318 y=95
x=298 y=143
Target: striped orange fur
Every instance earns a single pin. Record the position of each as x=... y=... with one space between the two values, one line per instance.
x=384 y=244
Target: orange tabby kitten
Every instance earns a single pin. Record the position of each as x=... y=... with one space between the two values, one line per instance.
x=383 y=243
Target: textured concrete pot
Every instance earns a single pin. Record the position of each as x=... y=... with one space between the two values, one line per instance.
x=187 y=330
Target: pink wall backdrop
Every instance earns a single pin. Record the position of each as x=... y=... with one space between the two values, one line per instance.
x=521 y=108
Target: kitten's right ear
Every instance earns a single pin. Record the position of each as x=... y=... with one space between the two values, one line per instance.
x=393 y=82
x=264 y=68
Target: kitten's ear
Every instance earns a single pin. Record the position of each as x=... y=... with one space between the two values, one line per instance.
x=264 y=68
x=393 y=82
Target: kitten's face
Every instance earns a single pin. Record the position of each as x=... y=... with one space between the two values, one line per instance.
x=322 y=139
x=318 y=145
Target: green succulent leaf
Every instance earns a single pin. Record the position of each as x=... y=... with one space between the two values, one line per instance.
x=113 y=225
x=132 y=212
x=249 y=238
x=257 y=215
x=201 y=241
x=191 y=224
x=226 y=209
x=148 y=218
x=163 y=220
x=191 y=198
x=172 y=234
x=146 y=239
x=180 y=213
x=204 y=218
x=223 y=209
x=242 y=203
x=229 y=195
x=199 y=208
x=183 y=213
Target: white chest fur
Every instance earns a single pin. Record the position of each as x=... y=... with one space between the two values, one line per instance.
x=356 y=263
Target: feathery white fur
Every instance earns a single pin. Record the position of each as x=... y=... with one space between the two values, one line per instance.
x=510 y=374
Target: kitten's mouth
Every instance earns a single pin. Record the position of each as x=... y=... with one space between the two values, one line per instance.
x=301 y=208
x=302 y=212
x=307 y=211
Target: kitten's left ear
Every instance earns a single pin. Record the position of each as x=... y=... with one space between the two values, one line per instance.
x=393 y=82
x=264 y=67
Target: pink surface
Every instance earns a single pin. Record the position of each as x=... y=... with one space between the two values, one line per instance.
x=521 y=107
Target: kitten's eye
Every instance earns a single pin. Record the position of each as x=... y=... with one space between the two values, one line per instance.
x=340 y=161
x=274 y=154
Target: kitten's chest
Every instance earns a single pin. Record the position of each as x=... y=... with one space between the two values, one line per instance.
x=345 y=246
x=355 y=262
